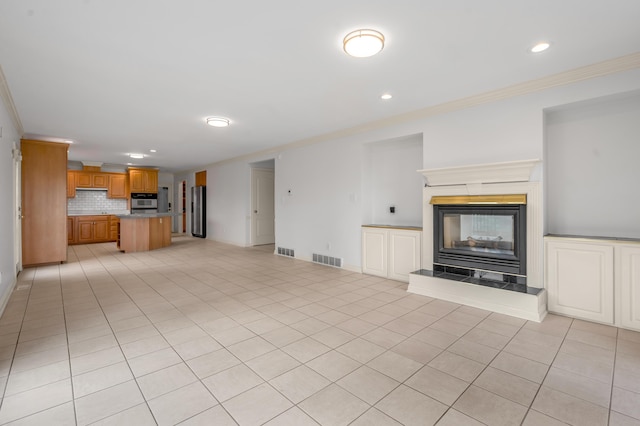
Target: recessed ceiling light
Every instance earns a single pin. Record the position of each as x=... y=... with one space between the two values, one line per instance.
x=152 y=150
x=363 y=43
x=218 y=121
x=136 y=155
x=386 y=96
x=540 y=47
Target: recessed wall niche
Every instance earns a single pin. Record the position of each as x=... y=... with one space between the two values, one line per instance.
x=592 y=167
x=390 y=179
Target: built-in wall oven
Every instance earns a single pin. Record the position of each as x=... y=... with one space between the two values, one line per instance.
x=144 y=203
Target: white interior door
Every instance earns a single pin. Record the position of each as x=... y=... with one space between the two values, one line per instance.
x=262 y=207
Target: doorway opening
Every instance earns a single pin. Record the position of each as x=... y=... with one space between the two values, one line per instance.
x=263 y=203
x=182 y=219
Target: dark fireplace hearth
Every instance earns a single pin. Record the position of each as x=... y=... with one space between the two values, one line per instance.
x=479 y=237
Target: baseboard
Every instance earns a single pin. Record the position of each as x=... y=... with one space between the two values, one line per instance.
x=350 y=268
x=4 y=299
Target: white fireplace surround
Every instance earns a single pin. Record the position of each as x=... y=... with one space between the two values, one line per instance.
x=486 y=179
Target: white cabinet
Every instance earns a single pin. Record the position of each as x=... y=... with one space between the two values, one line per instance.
x=628 y=286
x=391 y=252
x=375 y=242
x=579 y=276
x=594 y=279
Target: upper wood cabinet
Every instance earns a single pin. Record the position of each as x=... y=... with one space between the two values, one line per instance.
x=117 y=186
x=114 y=183
x=44 y=202
x=91 y=180
x=201 y=178
x=71 y=185
x=143 y=180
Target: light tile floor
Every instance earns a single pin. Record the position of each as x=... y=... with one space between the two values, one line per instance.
x=211 y=334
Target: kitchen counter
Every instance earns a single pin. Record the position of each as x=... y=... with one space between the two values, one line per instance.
x=96 y=212
x=407 y=227
x=144 y=215
x=144 y=232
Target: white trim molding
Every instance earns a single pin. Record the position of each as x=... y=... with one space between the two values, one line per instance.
x=512 y=171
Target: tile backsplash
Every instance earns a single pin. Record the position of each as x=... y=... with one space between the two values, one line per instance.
x=95 y=200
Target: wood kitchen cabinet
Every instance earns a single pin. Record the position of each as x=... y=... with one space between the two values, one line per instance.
x=143 y=180
x=71 y=230
x=44 y=202
x=71 y=185
x=113 y=228
x=93 y=229
x=91 y=180
x=117 y=186
x=114 y=183
x=144 y=233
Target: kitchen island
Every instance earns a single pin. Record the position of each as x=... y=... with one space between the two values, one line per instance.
x=144 y=232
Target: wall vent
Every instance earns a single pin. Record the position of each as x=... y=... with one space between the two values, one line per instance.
x=286 y=252
x=336 y=262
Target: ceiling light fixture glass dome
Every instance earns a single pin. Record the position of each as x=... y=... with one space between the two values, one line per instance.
x=363 y=43
x=218 y=121
x=540 y=47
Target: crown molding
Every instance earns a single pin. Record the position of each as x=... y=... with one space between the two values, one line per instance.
x=599 y=69
x=7 y=99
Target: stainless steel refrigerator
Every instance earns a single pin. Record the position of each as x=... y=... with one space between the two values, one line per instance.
x=198 y=211
x=164 y=206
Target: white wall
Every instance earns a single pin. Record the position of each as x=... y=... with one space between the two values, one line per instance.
x=592 y=171
x=8 y=231
x=391 y=179
x=228 y=203
x=323 y=214
x=329 y=200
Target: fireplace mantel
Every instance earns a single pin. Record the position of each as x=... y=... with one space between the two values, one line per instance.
x=486 y=179
x=512 y=171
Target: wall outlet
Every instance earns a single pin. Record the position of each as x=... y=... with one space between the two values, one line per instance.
x=392 y=209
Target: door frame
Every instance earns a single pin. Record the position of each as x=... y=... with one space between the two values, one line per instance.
x=17 y=206
x=182 y=205
x=252 y=224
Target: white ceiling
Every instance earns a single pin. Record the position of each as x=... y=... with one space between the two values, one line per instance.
x=121 y=76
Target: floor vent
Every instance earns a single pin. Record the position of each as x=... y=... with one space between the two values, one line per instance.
x=327 y=260
x=286 y=252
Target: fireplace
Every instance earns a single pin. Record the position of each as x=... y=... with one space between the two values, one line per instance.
x=499 y=237
x=481 y=236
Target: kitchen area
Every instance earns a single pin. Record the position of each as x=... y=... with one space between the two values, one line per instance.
x=125 y=207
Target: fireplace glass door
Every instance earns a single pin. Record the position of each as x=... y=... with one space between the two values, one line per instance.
x=479 y=233
x=483 y=237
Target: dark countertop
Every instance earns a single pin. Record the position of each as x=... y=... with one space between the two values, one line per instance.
x=587 y=237
x=145 y=215
x=407 y=227
x=96 y=212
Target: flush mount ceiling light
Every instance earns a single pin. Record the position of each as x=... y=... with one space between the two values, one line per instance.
x=218 y=121
x=540 y=47
x=136 y=155
x=363 y=43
